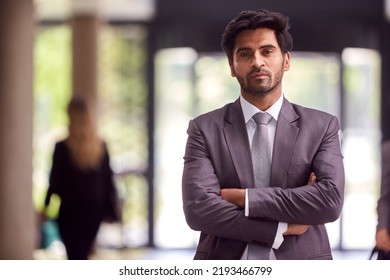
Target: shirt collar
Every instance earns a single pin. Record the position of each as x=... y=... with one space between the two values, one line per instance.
x=249 y=110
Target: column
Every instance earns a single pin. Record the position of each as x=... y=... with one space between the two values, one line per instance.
x=385 y=65
x=85 y=29
x=17 y=225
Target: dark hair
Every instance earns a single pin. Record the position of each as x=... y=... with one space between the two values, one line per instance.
x=77 y=104
x=257 y=19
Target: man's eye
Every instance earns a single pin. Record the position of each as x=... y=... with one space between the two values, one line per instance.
x=244 y=54
x=267 y=51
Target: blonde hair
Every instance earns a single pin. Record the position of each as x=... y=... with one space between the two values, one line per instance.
x=86 y=147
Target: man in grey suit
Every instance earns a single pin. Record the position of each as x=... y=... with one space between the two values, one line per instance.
x=382 y=234
x=306 y=179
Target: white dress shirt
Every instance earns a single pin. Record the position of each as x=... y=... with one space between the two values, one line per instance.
x=249 y=110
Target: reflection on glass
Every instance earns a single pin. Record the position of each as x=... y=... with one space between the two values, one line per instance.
x=175 y=99
x=361 y=146
x=314 y=81
x=123 y=123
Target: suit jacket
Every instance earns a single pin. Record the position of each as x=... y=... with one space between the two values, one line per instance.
x=384 y=199
x=218 y=156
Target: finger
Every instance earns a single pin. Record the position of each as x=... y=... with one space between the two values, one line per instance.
x=312 y=179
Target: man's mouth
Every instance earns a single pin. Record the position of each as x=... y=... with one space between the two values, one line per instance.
x=259 y=74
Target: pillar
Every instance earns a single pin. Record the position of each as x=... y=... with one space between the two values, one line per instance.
x=385 y=101
x=85 y=31
x=17 y=228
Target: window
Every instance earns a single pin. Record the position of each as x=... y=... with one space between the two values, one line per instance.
x=361 y=147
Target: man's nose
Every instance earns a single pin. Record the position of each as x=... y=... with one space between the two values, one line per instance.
x=257 y=61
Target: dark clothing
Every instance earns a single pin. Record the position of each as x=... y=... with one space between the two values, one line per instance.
x=383 y=207
x=87 y=198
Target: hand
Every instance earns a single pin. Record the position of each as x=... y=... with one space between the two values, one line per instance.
x=42 y=217
x=312 y=179
x=295 y=229
x=235 y=196
x=383 y=239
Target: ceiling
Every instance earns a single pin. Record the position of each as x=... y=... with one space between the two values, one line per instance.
x=57 y=10
x=198 y=10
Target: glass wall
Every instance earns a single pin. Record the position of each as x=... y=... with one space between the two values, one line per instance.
x=361 y=146
x=175 y=104
x=123 y=123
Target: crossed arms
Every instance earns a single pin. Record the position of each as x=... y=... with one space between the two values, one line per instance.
x=237 y=197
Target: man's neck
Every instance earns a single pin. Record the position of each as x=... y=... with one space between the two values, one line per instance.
x=263 y=102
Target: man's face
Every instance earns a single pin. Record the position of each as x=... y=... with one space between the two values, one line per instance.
x=258 y=62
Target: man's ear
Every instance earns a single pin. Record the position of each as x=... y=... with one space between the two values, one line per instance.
x=286 y=62
x=232 y=71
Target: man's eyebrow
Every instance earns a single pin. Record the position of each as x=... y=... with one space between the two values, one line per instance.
x=268 y=46
x=243 y=49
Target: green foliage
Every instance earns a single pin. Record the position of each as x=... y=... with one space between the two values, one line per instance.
x=52 y=73
x=123 y=92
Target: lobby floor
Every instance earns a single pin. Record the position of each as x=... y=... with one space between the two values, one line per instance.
x=57 y=252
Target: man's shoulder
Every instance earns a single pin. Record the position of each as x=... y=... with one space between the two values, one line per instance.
x=307 y=112
x=310 y=118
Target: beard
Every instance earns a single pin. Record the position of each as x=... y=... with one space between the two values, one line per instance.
x=263 y=87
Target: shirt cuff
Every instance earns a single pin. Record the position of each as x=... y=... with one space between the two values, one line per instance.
x=282 y=227
x=246 y=203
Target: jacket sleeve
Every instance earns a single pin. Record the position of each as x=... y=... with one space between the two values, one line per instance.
x=113 y=208
x=204 y=209
x=55 y=174
x=383 y=207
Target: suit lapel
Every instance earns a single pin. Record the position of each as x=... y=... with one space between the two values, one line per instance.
x=285 y=138
x=237 y=141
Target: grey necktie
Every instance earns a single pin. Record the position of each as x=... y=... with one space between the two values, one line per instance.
x=261 y=160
